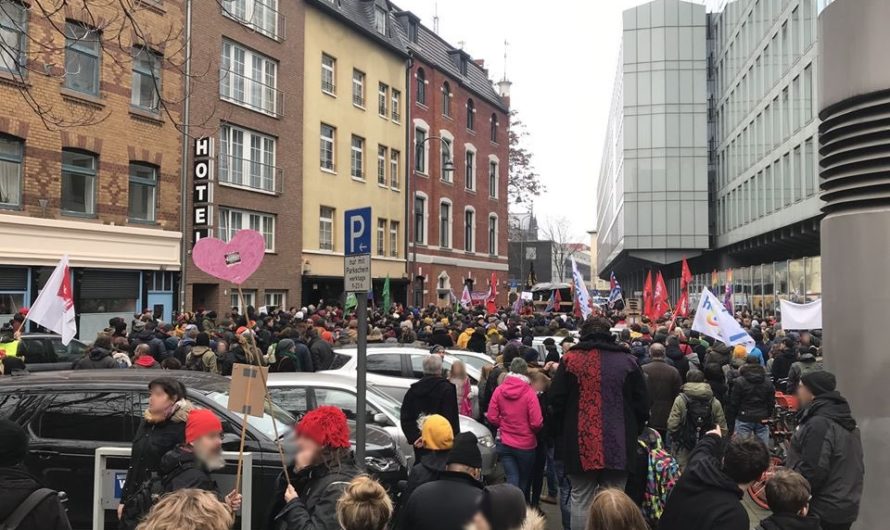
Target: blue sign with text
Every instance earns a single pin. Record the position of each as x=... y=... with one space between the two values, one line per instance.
x=119 y=479
x=358 y=231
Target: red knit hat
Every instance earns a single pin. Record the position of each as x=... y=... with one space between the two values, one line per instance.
x=325 y=426
x=201 y=422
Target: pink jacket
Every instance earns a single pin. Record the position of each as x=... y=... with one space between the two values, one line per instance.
x=516 y=412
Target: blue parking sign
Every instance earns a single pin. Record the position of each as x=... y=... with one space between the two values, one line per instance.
x=357 y=238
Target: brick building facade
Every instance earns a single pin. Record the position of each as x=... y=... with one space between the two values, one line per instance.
x=247 y=96
x=89 y=156
x=458 y=218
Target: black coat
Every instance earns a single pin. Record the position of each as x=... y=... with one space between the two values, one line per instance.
x=827 y=450
x=180 y=469
x=426 y=469
x=678 y=360
x=322 y=354
x=477 y=342
x=96 y=358
x=18 y=484
x=156 y=345
x=152 y=442
x=790 y=522
x=782 y=364
x=705 y=498
x=753 y=396
x=663 y=383
x=431 y=395
x=445 y=504
x=440 y=338
x=318 y=489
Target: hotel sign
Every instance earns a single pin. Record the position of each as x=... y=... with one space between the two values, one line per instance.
x=202 y=188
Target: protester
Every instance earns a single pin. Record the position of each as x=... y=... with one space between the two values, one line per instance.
x=324 y=467
x=144 y=333
x=24 y=498
x=544 y=464
x=708 y=494
x=612 y=509
x=787 y=357
x=677 y=357
x=201 y=357
x=663 y=383
x=467 y=394
x=438 y=439
x=827 y=450
x=450 y=502
x=694 y=413
x=432 y=394
x=788 y=497
x=805 y=364
x=143 y=359
x=599 y=434
x=162 y=428
x=516 y=413
x=188 y=509
x=99 y=355
x=752 y=400
x=364 y=505
x=502 y=507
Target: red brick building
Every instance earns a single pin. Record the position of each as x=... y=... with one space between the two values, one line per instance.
x=458 y=198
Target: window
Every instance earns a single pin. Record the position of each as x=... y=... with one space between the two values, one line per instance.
x=93 y=416
x=79 y=182
x=380 y=20
x=469 y=230
x=381 y=237
x=385 y=364
x=412 y=30
x=146 y=80
x=326 y=228
x=420 y=150
x=493 y=122
x=446 y=99
x=471 y=170
x=81 y=58
x=143 y=190
x=381 y=165
x=394 y=173
x=328 y=135
x=232 y=220
x=11 y=155
x=249 y=300
x=248 y=78
x=445 y=224
x=419 y=219
x=383 y=100
x=358 y=88
x=291 y=399
x=493 y=179
x=328 y=74
x=396 y=106
x=13 y=17
x=421 y=86
x=274 y=299
x=246 y=158
x=394 y=239
x=447 y=158
x=492 y=235
x=358 y=158
x=261 y=15
x=471 y=115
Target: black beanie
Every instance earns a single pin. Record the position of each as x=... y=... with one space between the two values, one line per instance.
x=13 y=443
x=465 y=451
x=503 y=506
x=819 y=382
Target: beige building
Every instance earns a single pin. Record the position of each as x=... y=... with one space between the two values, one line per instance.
x=596 y=282
x=354 y=141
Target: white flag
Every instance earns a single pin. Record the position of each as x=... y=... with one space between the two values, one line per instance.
x=712 y=319
x=54 y=307
x=801 y=316
x=581 y=291
x=465 y=299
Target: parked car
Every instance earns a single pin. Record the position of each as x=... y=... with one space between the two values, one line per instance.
x=395 y=361
x=472 y=359
x=69 y=414
x=44 y=351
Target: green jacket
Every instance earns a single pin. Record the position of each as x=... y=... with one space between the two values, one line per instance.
x=695 y=391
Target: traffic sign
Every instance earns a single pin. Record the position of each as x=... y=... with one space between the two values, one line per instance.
x=357 y=274
x=358 y=231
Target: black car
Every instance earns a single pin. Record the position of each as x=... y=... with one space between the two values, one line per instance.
x=69 y=414
x=45 y=351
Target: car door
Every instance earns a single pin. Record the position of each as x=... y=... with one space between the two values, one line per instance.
x=385 y=364
x=294 y=399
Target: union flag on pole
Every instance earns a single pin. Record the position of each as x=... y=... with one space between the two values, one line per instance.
x=685 y=275
x=647 y=295
x=54 y=307
x=491 y=302
x=660 y=304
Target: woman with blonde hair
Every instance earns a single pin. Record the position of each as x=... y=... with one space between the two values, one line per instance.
x=188 y=509
x=467 y=394
x=612 y=509
x=364 y=505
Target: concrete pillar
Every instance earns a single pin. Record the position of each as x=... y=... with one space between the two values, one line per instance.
x=854 y=93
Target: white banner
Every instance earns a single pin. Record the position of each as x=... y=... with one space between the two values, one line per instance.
x=801 y=316
x=583 y=296
x=712 y=319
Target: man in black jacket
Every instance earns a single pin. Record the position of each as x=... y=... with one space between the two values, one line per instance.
x=450 y=502
x=18 y=484
x=707 y=495
x=321 y=352
x=433 y=394
x=752 y=400
x=827 y=450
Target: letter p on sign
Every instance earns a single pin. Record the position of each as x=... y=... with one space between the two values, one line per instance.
x=358 y=233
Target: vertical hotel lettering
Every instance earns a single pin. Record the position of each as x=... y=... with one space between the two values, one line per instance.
x=202 y=189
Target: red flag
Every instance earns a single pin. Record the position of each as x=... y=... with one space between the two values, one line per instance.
x=683 y=305
x=660 y=303
x=557 y=301
x=685 y=275
x=491 y=305
x=647 y=295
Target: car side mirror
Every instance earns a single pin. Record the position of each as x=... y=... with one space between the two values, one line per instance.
x=231 y=440
x=381 y=419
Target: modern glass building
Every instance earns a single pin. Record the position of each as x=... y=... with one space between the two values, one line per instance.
x=763 y=207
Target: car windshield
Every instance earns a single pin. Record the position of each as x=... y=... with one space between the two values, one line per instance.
x=389 y=405
x=274 y=417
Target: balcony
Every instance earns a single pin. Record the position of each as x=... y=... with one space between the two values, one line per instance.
x=260 y=16
x=247 y=92
x=249 y=174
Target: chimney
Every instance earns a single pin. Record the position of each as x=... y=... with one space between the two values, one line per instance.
x=480 y=62
x=504 y=88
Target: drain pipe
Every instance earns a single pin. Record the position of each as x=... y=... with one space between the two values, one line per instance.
x=183 y=170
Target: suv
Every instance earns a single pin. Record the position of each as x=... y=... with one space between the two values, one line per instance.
x=45 y=351
x=70 y=414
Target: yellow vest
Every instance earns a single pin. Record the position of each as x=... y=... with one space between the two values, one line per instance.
x=9 y=349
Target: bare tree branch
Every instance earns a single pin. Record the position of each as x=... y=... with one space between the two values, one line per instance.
x=564 y=245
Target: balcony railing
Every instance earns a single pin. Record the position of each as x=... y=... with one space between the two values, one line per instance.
x=250 y=93
x=251 y=174
x=261 y=17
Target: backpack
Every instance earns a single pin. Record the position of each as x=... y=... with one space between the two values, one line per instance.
x=24 y=509
x=196 y=363
x=698 y=421
x=146 y=495
x=662 y=474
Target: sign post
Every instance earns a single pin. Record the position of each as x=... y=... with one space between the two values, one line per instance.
x=357 y=279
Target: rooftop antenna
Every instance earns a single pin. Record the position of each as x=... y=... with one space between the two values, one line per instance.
x=436 y=18
x=506 y=45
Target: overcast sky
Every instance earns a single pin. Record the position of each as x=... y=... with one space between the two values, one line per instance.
x=562 y=57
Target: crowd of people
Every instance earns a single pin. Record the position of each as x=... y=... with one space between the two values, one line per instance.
x=623 y=425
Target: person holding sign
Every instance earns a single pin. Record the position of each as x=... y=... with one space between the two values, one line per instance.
x=324 y=467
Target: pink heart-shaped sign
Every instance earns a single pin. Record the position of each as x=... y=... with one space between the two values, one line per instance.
x=234 y=261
